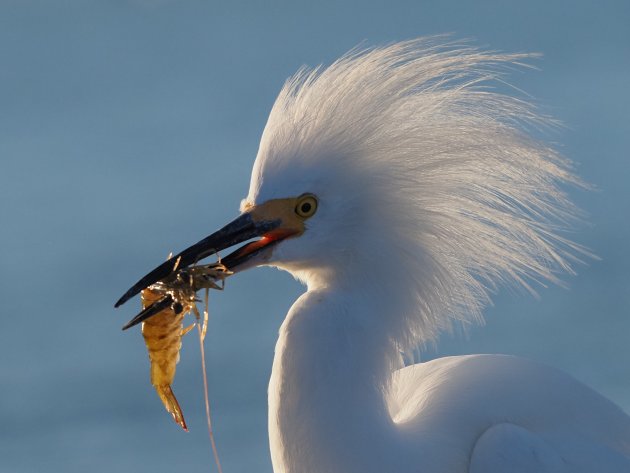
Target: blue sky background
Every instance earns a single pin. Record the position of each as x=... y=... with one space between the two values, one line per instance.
x=128 y=129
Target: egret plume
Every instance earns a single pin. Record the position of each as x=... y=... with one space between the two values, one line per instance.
x=479 y=198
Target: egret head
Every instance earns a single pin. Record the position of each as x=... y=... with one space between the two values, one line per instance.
x=418 y=164
x=403 y=156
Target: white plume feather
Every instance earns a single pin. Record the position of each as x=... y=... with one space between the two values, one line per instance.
x=470 y=195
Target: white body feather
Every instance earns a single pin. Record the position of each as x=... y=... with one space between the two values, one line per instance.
x=431 y=190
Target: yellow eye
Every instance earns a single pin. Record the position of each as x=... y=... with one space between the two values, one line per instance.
x=306 y=205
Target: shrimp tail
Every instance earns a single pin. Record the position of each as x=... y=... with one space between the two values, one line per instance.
x=170 y=403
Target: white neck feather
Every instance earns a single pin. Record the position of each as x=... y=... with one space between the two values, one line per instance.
x=331 y=371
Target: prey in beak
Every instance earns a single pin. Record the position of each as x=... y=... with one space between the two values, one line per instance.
x=266 y=224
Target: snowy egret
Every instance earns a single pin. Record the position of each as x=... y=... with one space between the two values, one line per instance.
x=400 y=189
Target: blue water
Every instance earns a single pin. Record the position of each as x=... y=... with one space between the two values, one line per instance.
x=127 y=130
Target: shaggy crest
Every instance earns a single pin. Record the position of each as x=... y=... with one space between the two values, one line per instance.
x=417 y=127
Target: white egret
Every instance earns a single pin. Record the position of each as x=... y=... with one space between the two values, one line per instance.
x=400 y=189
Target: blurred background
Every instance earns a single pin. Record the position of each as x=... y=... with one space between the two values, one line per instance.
x=128 y=129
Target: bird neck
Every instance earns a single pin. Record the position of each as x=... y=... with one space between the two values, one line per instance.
x=331 y=372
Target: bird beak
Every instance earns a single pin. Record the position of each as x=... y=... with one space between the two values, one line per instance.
x=259 y=221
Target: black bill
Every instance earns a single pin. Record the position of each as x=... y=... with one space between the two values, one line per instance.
x=239 y=230
x=150 y=311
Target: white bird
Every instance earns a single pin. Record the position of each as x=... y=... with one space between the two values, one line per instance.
x=400 y=189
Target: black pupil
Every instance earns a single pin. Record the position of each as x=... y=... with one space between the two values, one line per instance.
x=306 y=207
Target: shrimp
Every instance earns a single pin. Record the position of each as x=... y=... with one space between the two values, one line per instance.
x=164 y=305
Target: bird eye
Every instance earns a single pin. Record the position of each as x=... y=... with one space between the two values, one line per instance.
x=306 y=206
